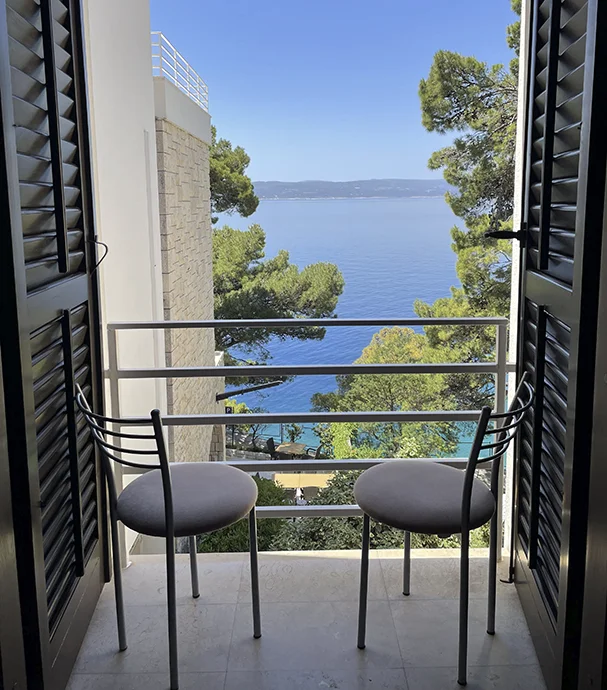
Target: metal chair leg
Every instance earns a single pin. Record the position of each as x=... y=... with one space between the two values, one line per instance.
x=172 y=612
x=118 y=580
x=407 y=565
x=194 y=568
x=364 y=583
x=463 y=609
x=493 y=547
x=254 y=575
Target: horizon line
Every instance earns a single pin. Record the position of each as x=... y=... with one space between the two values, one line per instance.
x=366 y=179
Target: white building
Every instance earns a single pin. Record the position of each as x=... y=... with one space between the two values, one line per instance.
x=150 y=160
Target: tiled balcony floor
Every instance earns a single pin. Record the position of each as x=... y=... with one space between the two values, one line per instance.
x=309 y=612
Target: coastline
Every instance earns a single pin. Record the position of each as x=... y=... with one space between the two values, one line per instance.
x=347 y=198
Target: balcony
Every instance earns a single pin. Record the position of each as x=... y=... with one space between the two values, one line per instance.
x=498 y=369
x=309 y=609
x=310 y=599
x=169 y=63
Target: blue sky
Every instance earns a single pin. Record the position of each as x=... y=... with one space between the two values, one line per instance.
x=327 y=89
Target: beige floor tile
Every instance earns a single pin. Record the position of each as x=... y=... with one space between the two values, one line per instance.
x=438 y=578
x=146 y=681
x=392 y=679
x=428 y=633
x=333 y=576
x=204 y=634
x=144 y=581
x=311 y=636
x=479 y=678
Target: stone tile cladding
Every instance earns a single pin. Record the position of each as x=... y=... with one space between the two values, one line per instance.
x=187 y=273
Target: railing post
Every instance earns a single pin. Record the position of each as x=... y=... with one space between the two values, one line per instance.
x=173 y=54
x=115 y=407
x=501 y=353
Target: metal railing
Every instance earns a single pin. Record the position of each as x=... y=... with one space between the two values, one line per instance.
x=168 y=62
x=498 y=368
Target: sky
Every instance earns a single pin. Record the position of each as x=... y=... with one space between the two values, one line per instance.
x=327 y=89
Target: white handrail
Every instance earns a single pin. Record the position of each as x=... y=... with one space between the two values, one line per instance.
x=498 y=368
x=169 y=63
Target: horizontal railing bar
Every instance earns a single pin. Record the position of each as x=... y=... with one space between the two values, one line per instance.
x=297 y=323
x=313 y=465
x=309 y=417
x=257 y=371
x=307 y=511
x=330 y=465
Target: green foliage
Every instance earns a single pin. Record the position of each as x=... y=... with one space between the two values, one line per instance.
x=478 y=102
x=249 y=286
x=238 y=407
x=253 y=430
x=465 y=95
x=368 y=392
x=235 y=538
x=294 y=431
x=345 y=533
x=231 y=190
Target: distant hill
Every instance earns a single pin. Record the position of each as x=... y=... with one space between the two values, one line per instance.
x=356 y=189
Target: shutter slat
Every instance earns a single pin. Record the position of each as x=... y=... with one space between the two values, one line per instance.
x=40 y=220
x=25 y=60
x=30 y=116
x=60 y=33
x=24 y=31
x=572 y=55
x=27 y=88
x=45 y=245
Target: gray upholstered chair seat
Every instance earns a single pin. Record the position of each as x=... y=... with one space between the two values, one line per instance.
x=421 y=496
x=206 y=497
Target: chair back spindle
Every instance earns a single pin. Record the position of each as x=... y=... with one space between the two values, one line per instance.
x=499 y=438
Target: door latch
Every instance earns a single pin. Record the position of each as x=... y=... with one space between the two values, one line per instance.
x=519 y=235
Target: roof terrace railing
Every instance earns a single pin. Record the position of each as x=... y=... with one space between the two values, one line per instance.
x=498 y=368
x=168 y=62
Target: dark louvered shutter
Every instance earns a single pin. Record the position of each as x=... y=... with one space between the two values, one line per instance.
x=59 y=310
x=47 y=139
x=65 y=457
x=558 y=317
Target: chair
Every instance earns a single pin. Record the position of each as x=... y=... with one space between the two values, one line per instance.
x=273 y=453
x=430 y=498
x=176 y=500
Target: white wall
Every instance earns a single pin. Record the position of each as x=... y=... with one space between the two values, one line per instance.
x=123 y=142
x=172 y=104
x=517 y=216
x=516 y=268
x=121 y=98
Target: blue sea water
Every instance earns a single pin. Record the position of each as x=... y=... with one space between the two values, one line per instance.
x=391 y=252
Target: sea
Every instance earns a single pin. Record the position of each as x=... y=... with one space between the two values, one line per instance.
x=391 y=253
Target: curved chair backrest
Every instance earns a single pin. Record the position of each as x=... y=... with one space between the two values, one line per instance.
x=106 y=440
x=495 y=440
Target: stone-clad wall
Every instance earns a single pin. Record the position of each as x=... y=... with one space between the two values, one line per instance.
x=186 y=240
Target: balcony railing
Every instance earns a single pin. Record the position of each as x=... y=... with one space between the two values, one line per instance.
x=168 y=62
x=499 y=368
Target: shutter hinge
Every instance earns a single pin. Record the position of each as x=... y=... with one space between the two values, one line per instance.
x=519 y=235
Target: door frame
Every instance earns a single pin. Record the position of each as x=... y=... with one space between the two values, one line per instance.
x=47 y=664
x=558 y=648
